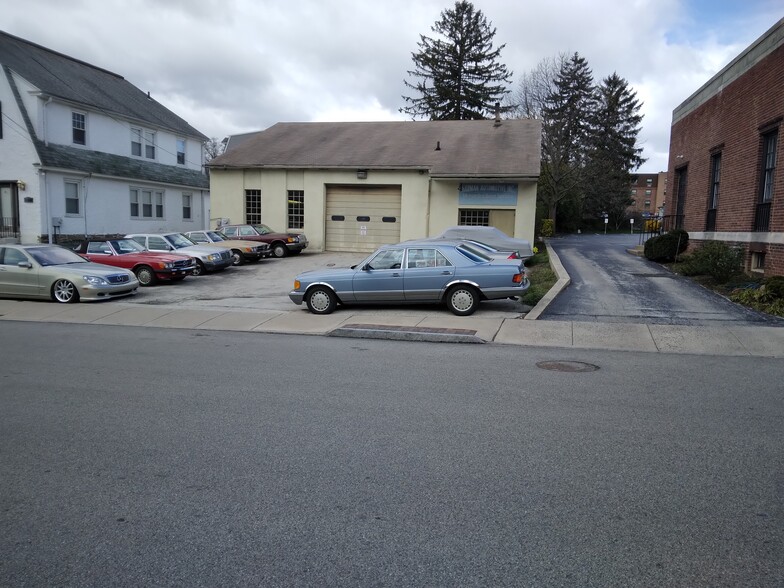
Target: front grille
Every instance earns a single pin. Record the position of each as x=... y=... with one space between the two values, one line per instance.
x=118 y=279
x=183 y=263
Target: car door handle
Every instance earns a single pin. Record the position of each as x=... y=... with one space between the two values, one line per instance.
x=396 y=275
x=446 y=273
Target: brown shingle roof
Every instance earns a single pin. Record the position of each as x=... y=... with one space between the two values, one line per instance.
x=470 y=148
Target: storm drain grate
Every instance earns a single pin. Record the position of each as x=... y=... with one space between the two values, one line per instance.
x=567 y=366
x=644 y=275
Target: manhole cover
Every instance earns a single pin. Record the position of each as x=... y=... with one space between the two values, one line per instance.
x=567 y=366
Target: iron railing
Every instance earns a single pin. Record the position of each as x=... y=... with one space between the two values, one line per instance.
x=659 y=225
x=762 y=218
x=710 y=220
x=9 y=227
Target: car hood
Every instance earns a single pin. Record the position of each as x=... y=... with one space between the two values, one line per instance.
x=326 y=275
x=88 y=268
x=201 y=249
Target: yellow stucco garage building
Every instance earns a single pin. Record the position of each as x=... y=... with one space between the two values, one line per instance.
x=354 y=186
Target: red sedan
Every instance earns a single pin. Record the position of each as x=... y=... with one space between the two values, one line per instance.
x=149 y=266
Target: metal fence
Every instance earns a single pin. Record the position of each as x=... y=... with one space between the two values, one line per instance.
x=9 y=227
x=659 y=225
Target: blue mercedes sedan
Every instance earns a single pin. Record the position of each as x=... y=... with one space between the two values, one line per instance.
x=454 y=273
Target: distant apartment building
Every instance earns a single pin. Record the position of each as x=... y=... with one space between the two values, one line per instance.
x=647 y=194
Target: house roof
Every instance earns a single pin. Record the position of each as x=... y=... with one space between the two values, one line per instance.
x=468 y=148
x=75 y=81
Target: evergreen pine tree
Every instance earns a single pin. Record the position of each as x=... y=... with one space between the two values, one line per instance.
x=459 y=76
x=613 y=152
x=565 y=133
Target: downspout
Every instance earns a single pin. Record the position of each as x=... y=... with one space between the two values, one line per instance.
x=46 y=137
x=49 y=226
x=86 y=189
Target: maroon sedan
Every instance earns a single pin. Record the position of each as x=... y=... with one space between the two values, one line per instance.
x=149 y=266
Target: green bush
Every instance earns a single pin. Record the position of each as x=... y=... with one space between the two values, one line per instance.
x=760 y=299
x=548 y=227
x=667 y=246
x=774 y=285
x=718 y=260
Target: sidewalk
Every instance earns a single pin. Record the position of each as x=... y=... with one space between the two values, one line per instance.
x=398 y=324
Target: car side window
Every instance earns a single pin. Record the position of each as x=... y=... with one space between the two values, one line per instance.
x=198 y=237
x=246 y=231
x=229 y=231
x=158 y=243
x=141 y=241
x=418 y=258
x=10 y=256
x=95 y=247
x=390 y=259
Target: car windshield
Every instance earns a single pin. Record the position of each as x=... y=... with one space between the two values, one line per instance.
x=263 y=229
x=178 y=241
x=473 y=253
x=55 y=256
x=123 y=246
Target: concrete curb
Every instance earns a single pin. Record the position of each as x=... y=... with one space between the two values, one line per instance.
x=429 y=334
x=563 y=281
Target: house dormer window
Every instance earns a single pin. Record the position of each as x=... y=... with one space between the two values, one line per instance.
x=79 y=128
x=142 y=143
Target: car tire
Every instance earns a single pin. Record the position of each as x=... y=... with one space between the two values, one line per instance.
x=145 y=275
x=236 y=257
x=279 y=250
x=321 y=300
x=199 y=269
x=65 y=292
x=462 y=300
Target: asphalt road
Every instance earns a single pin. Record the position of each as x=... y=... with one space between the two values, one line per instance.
x=141 y=457
x=611 y=285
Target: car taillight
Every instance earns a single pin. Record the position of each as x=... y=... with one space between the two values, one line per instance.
x=518 y=279
x=513 y=255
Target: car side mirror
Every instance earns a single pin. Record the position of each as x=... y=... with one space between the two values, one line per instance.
x=25 y=264
x=367 y=267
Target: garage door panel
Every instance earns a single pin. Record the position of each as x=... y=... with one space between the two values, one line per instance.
x=371 y=205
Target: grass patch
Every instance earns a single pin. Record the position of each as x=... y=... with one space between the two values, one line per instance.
x=540 y=274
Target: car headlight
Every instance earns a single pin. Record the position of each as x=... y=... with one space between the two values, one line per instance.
x=165 y=264
x=95 y=280
x=213 y=257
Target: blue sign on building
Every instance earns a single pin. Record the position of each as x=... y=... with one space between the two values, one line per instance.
x=488 y=195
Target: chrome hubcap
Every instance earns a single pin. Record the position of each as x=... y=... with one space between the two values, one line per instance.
x=63 y=291
x=320 y=301
x=462 y=300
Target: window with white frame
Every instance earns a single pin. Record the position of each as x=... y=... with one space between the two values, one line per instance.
x=136 y=142
x=181 y=151
x=142 y=143
x=296 y=209
x=72 y=200
x=470 y=217
x=146 y=203
x=79 y=128
x=187 y=213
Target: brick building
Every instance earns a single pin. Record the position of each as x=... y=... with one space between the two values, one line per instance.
x=647 y=194
x=724 y=150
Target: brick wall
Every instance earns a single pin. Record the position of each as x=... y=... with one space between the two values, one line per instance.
x=732 y=122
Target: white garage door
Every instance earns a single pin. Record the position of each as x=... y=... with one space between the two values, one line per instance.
x=362 y=219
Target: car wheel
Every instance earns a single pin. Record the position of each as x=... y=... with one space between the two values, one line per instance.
x=236 y=258
x=199 y=269
x=279 y=250
x=65 y=292
x=321 y=300
x=462 y=300
x=145 y=275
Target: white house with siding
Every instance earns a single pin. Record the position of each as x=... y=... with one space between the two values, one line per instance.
x=84 y=152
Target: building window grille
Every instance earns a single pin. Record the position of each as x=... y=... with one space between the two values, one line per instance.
x=146 y=203
x=253 y=207
x=769 y=146
x=713 y=197
x=296 y=209
x=477 y=218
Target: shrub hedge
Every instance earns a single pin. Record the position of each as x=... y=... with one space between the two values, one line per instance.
x=665 y=247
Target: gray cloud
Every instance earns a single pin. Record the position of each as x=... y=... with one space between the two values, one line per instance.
x=230 y=66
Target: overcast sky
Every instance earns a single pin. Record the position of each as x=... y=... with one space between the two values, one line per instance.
x=233 y=66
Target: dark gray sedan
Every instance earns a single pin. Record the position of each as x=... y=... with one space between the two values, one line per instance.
x=451 y=272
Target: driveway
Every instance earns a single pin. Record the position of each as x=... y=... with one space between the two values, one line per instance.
x=610 y=285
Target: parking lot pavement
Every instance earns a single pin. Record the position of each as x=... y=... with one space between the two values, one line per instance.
x=254 y=298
